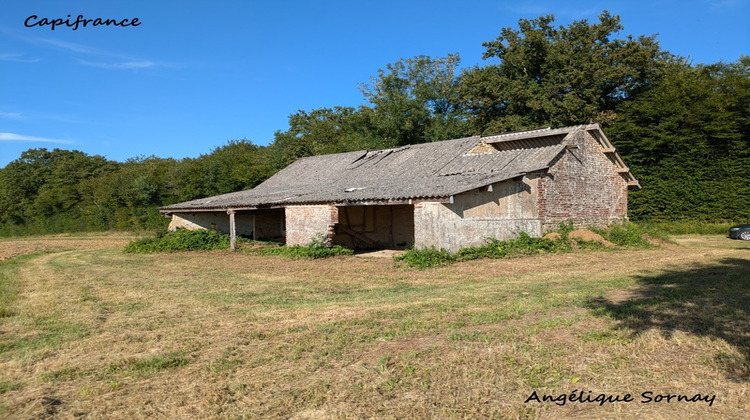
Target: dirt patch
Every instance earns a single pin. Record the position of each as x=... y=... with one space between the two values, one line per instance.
x=581 y=234
x=589 y=236
x=382 y=253
x=553 y=236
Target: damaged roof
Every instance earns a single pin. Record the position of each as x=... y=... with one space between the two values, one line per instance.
x=429 y=170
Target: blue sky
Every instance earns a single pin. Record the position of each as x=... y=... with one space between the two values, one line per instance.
x=195 y=74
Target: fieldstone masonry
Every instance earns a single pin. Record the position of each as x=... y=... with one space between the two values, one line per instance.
x=305 y=223
x=583 y=186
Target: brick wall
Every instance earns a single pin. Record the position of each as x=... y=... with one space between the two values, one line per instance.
x=305 y=223
x=583 y=186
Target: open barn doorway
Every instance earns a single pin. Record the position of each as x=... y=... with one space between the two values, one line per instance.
x=375 y=227
x=266 y=225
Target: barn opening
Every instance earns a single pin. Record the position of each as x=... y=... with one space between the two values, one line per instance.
x=375 y=227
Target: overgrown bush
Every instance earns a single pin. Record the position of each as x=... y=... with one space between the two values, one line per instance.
x=310 y=251
x=627 y=235
x=319 y=247
x=685 y=227
x=523 y=245
x=426 y=258
x=180 y=240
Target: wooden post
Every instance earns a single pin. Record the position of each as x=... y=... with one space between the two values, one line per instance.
x=232 y=231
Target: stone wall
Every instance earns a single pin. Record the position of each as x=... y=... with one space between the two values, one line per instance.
x=583 y=186
x=218 y=221
x=305 y=223
x=476 y=215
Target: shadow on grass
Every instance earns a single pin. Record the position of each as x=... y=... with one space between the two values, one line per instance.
x=710 y=300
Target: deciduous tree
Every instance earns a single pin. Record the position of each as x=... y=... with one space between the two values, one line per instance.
x=558 y=76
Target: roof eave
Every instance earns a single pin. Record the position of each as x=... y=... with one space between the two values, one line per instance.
x=597 y=133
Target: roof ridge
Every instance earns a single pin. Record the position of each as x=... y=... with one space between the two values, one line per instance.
x=518 y=132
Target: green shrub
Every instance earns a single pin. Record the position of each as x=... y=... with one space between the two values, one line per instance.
x=426 y=258
x=685 y=227
x=628 y=234
x=319 y=247
x=310 y=252
x=564 y=229
x=523 y=245
x=180 y=240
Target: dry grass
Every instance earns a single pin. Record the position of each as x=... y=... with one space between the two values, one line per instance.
x=92 y=332
x=13 y=247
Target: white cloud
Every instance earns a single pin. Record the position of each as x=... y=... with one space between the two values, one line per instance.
x=21 y=137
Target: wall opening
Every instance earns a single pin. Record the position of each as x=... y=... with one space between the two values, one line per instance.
x=375 y=227
x=269 y=225
x=261 y=225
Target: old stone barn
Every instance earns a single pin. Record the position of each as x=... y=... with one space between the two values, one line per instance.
x=448 y=194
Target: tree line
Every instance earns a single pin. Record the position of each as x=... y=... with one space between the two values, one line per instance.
x=682 y=128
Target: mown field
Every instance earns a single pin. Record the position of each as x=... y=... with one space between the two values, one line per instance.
x=87 y=331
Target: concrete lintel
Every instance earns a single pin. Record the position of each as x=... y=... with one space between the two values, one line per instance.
x=441 y=200
x=253 y=208
x=373 y=203
x=199 y=210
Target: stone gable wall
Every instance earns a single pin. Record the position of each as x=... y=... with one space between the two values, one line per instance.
x=583 y=185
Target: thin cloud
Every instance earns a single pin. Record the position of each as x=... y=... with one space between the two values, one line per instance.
x=565 y=13
x=18 y=58
x=724 y=4
x=101 y=59
x=131 y=65
x=11 y=115
x=71 y=46
x=42 y=116
x=20 y=137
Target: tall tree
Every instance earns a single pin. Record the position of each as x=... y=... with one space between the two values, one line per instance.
x=558 y=76
x=42 y=184
x=416 y=100
x=688 y=141
x=236 y=166
x=322 y=131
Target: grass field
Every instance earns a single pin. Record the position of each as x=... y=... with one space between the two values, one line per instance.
x=89 y=331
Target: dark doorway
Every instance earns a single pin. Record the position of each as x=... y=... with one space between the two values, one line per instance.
x=375 y=227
